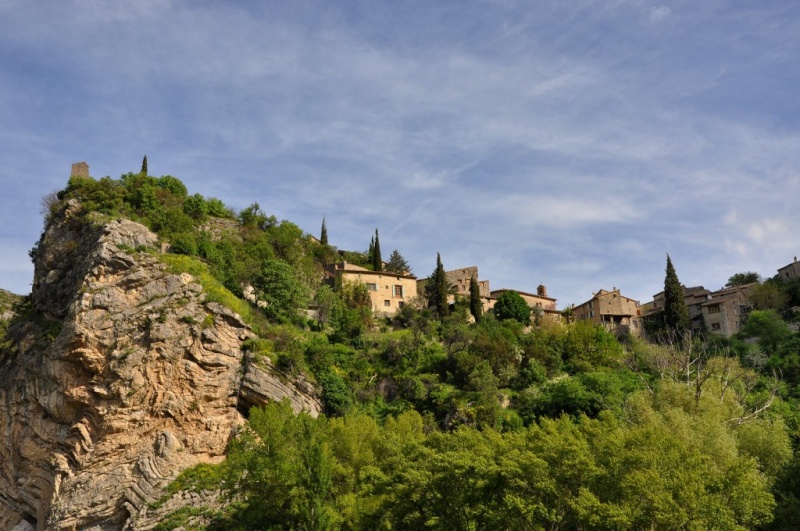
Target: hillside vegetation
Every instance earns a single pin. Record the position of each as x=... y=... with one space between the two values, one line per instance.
x=436 y=421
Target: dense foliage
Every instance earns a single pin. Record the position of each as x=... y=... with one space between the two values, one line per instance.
x=511 y=305
x=436 y=420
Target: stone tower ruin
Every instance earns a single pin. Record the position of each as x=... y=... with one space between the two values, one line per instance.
x=80 y=169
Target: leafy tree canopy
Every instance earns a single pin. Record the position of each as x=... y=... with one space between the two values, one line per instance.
x=511 y=305
x=740 y=279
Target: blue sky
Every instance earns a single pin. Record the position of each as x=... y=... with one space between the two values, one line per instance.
x=572 y=144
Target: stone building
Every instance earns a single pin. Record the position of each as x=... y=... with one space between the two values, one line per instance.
x=460 y=279
x=619 y=314
x=80 y=169
x=790 y=271
x=388 y=291
x=726 y=310
x=694 y=297
x=720 y=312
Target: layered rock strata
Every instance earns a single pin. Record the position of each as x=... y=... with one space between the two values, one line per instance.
x=122 y=377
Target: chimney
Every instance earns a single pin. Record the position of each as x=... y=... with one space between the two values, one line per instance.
x=541 y=290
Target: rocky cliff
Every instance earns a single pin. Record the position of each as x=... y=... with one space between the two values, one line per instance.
x=119 y=376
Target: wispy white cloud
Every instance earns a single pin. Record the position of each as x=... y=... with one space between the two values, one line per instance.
x=576 y=142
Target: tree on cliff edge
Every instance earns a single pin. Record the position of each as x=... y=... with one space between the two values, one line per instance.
x=144 y=166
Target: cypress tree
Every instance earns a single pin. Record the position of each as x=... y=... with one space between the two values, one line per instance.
x=436 y=289
x=144 y=166
x=323 y=237
x=371 y=252
x=475 y=304
x=377 y=261
x=676 y=313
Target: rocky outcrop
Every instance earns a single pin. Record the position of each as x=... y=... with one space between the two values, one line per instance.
x=122 y=377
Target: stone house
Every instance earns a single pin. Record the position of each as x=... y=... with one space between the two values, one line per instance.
x=619 y=314
x=539 y=301
x=388 y=291
x=459 y=280
x=790 y=271
x=726 y=310
x=694 y=297
x=720 y=312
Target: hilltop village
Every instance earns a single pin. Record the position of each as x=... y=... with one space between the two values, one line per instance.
x=179 y=365
x=721 y=312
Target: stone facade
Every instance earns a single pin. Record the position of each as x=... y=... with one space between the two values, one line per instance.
x=790 y=271
x=618 y=313
x=720 y=312
x=694 y=298
x=460 y=280
x=80 y=169
x=388 y=291
x=726 y=310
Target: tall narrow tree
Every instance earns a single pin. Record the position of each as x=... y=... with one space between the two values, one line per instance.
x=144 y=166
x=323 y=236
x=371 y=252
x=676 y=313
x=436 y=289
x=475 y=303
x=377 y=261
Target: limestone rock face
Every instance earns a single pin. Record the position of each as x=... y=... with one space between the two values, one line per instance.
x=122 y=377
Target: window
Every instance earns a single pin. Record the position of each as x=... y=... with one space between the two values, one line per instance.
x=713 y=308
x=398 y=291
x=372 y=287
x=401 y=304
x=714 y=326
x=387 y=303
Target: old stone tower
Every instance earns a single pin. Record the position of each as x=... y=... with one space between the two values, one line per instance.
x=80 y=169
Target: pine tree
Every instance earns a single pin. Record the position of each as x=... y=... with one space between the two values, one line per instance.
x=144 y=166
x=323 y=237
x=377 y=261
x=676 y=313
x=475 y=303
x=397 y=264
x=436 y=289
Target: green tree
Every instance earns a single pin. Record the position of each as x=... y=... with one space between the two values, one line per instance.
x=377 y=261
x=279 y=289
x=397 y=264
x=768 y=327
x=475 y=302
x=195 y=207
x=511 y=305
x=323 y=237
x=740 y=279
x=768 y=296
x=436 y=289
x=144 y=166
x=676 y=313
